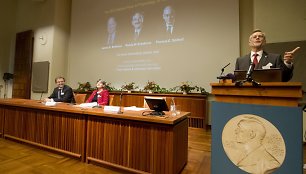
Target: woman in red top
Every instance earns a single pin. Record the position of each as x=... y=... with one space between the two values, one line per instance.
x=100 y=95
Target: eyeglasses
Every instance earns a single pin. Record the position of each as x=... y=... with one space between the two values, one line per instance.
x=257 y=36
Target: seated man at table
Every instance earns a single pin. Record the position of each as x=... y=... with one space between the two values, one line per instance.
x=62 y=93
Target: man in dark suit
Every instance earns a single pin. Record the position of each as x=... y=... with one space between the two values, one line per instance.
x=62 y=93
x=264 y=60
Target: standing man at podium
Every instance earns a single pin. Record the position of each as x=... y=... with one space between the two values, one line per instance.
x=264 y=60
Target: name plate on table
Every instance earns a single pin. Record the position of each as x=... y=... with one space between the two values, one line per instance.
x=50 y=103
x=111 y=108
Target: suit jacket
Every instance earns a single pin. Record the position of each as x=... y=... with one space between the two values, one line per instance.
x=243 y=63
x=63 y=95
x=102 y=99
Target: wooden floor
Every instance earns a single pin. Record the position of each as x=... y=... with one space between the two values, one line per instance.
x=18 y=158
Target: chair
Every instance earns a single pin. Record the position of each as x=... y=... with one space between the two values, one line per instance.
x=111 y=100
x=79 y=98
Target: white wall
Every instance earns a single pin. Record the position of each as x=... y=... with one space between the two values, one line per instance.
x=7 y=37
x=282 y=20
x=50 y=21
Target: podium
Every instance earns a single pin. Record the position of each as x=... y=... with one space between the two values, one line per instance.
x=269 y=93
x=274 y=107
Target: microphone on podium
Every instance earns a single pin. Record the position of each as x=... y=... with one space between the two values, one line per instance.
x=248 y=77
x=222 y=70
x=227 y=76
x=250 y=71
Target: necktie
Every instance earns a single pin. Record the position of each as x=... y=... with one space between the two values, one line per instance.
x=59 y=94
x=255 y=60
x=169 y=29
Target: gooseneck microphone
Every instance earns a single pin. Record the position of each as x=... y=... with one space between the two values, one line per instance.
x=120 y=111
x=222 y=70
x=41 y=95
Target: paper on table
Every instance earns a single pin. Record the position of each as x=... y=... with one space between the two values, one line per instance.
x=88 y=105
x=134 y=108
x=51 y=103
x=111 y=108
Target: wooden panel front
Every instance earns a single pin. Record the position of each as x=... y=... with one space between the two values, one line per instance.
x=269 y=93
x=59 y=131
x=138 y=146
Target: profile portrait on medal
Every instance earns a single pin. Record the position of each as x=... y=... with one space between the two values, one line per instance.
x=253 y=144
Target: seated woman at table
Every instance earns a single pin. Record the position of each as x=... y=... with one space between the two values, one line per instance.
x=100 y=95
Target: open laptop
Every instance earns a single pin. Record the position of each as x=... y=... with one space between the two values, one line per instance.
x=261 y=75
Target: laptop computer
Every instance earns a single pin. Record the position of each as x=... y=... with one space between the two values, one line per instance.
x=261 y=75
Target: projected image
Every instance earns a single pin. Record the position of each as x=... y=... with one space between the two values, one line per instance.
x=169 y=17
x=152 y=25
x=111 y=29
x=141 y=34
x=137 y=22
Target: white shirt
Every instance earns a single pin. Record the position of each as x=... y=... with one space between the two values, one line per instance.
x=170 y=28
x=258 y=56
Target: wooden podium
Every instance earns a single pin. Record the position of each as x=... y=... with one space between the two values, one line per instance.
x=269 y=93
x=275 y=106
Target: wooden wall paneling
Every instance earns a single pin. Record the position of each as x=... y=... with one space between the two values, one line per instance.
x=1 y=121
x=197 y=108
x=133 y=100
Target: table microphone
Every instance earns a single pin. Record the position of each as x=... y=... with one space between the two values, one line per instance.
x=41 y=95
x=119 y=111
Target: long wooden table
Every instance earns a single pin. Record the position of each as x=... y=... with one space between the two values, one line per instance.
x=129 y=141
x=194 y=103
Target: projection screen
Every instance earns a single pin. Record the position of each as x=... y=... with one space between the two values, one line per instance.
x=166 y=41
